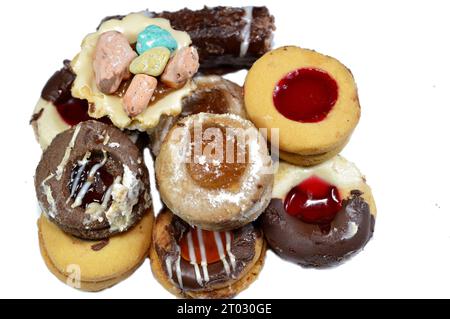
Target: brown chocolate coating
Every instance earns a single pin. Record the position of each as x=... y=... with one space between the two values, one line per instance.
x=213 y=95
x=57 y=89
x=242 y=247
x=310 y=245
x=91 y=137
x=217 y=34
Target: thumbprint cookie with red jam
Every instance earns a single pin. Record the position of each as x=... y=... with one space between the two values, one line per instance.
x=214 y=171
x=319 y=216
x=191 y=262
x=311 y=98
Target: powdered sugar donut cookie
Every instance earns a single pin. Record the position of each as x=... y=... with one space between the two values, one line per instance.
x=214 y=171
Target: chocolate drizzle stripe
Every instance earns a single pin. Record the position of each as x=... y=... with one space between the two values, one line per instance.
x=100 y=245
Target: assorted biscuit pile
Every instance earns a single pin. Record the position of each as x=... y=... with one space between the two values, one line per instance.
x=152 y=82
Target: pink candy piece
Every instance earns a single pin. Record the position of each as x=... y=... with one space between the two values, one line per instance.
x=181 y=67
x=138 y=94
x=112 y=58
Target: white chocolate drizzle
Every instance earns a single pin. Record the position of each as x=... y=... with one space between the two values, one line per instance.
x=48 y=193
x=222 y=256
x=178 y=271
x=89 y=180
x=246 y=31
x=204 y=261
x=228 y=248
x=193 y=259
x=62 y=165
x=80 y=171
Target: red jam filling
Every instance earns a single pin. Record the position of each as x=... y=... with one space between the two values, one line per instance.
x=209 y=244
x=74 y=111
x=313 y=201
x=305 y=95
x=101 y=181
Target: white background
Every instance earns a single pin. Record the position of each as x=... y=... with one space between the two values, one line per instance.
x=399 y=54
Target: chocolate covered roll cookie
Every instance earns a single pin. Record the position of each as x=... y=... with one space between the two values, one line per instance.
x=194 y=263
x=227 y=38
x=92 y=182
x=319 y=216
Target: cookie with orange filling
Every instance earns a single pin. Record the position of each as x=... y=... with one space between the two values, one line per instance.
x=191 y=262
x=214 y=171
x=310 y=97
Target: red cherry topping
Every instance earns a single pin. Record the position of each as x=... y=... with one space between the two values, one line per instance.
x=305 y=95
x=313 y=201
x=209 y=243
x=74 y=111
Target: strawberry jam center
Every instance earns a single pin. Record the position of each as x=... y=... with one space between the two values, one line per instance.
x=305 y=95
x=313 y=201
x=191 y=245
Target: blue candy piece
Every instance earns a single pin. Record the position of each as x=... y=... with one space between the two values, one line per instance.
x=154 y=36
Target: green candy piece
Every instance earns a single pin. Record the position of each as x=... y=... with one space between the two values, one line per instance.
x=151 y=62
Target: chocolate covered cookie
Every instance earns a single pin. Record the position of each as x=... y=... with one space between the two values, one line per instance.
x=213 y=94
x=194 y=263
x=92 y=182
x=319 y=216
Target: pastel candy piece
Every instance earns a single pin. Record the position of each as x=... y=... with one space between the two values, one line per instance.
x=154 y=36
x=151 y=62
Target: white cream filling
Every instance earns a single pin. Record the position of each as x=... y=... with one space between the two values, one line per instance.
x=336 y=171
x=49 y=124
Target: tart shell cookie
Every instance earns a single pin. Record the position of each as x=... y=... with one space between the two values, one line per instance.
x=92 y=182
x=319 y=216
x=235 y=258
x=310 y=97
x=94 y=265
x=215 y=192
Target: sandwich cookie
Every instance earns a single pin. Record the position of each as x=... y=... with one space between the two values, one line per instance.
x=311 y=98
x=92 y=182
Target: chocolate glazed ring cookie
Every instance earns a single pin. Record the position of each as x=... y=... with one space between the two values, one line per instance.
x=92 y=182
x=214 y=171
x=213 y=94
x=319 y=216
x=194 y=263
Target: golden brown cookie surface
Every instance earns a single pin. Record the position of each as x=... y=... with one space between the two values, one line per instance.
x=310 y=97
x=94 y=265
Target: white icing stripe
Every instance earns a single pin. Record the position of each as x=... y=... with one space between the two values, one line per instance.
x=87 y=184
x=178 y=270
x=204 y=261
x=193 y=258
x=108 y=193
x=248 y=18
x=62 y=165
x=169 y=267
x=222 y=256
x=228 y=247
x=80 y=171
